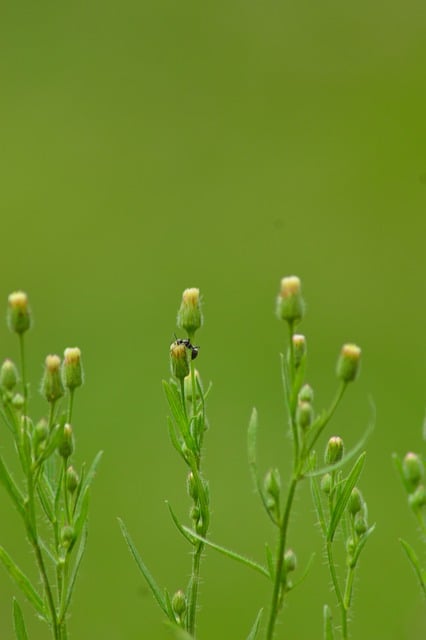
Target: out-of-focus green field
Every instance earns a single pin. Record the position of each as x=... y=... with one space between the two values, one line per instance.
x=151 y=146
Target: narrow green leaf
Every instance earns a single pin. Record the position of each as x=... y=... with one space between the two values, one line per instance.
x=270 y=561
x=342 y=501
x=175 y=404
x=318 y=505
x=306 y=571
x=18 y=622
x=230 y=554
x=168 y=602
x=173 y=436
x=52 y=444
x=144 y=569
x=346 y=458
x=85 y=484
x=414 y=561
x=252 y=460
x=256 y=627
x=23 y=583
x=328 y=623
x=361 y=544
x=12 y=489
x=178 y=632
x=179 y=527
x=46 y=498
x=74 y=573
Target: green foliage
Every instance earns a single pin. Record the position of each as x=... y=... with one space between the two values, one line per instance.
x=54 y=516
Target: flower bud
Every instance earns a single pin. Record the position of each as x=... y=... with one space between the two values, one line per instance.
x=66 y=443
x=299 y=348
x=72 y=479
x=350 y=546
x=272 y=484
x=348 y=362
x=195 y=513
x=412 y=469
x=18 y=312
x=67 y=536
x=51 y=384
x=179 y=360
x=417 y=499
x=8 y=375
x=191 y=486
x=188 y=386
x=326 y=483
x=72 y=371
x=290 y=304
x=40 y=435
x=290 y=560
x=189 y=315
x=360 y=523
x=334 y=450
x=355 y=502
x=306 y=394
x=18 y=401
x=304 y=414
x=179 y=603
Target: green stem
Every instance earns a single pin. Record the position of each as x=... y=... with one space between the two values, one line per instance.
x=47 y=588
x=330 y=413
x=23 y=371
x=336 y=586
x=70 y=405
x=193 y=588
x=279 y=577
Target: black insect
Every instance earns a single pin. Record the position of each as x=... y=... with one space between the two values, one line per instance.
x=188 y=344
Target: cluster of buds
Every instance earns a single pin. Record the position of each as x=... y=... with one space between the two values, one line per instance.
x=198 y=512
x=413 y=471
x=305 y=410
x=357 y=510
x=59 y=376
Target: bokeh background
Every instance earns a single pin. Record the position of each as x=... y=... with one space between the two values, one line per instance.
x=151 y=146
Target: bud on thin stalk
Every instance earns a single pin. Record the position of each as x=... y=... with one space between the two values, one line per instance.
x=72 y=370
x=51 y=384
x=290 y=303
x=348 y=363
x=8 y=375
x=18 y=312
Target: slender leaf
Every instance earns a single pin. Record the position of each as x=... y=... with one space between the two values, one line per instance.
x=318 y=505
x=173 y=436
x=269 y=561
x=361 y=545
x=169 y=606
x=414 y=561
x=252 y=460
x=85 y=484
x=74 y=573
x=46 y=498
x=18 y=622
x=178 y=632
x=179 y=527
x=230 y=554
x=342 y=501
x=306 y=571
x=23 y=583
x=12 y=489
x=175 y=403
x=144 y=569
x=328 y=623
x=256 y=627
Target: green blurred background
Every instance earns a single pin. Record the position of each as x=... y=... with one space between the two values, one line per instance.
x=151 y=146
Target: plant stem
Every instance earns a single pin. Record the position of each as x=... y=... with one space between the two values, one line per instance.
x=23 y=372
x=336 y=586
x=279 y=565
x=70 y=405
x=193 y=589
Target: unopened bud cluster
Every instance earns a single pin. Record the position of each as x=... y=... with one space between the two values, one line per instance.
x=358 y=514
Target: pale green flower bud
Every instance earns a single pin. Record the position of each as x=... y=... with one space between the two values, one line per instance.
x=67 y=536
x=18 y=401
x=412 y=469
x=188 y=386
x=348 y=362
x=360 y=523
x=72 y=370
x=326 y=483
x=191 y=486
x=18 y=312
x=304 y=414
x=299 y=348
x=355 y=502
x=179 y=360
x=306 y=394
x=272 y=484
x=189 y=315
x=179 y=603
x=290 y=560
x=51 y=384
x=290 y=304
x=417 y=499
x=8 y=375
x=72 y=479
x=66 y=443
x=334 y=450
